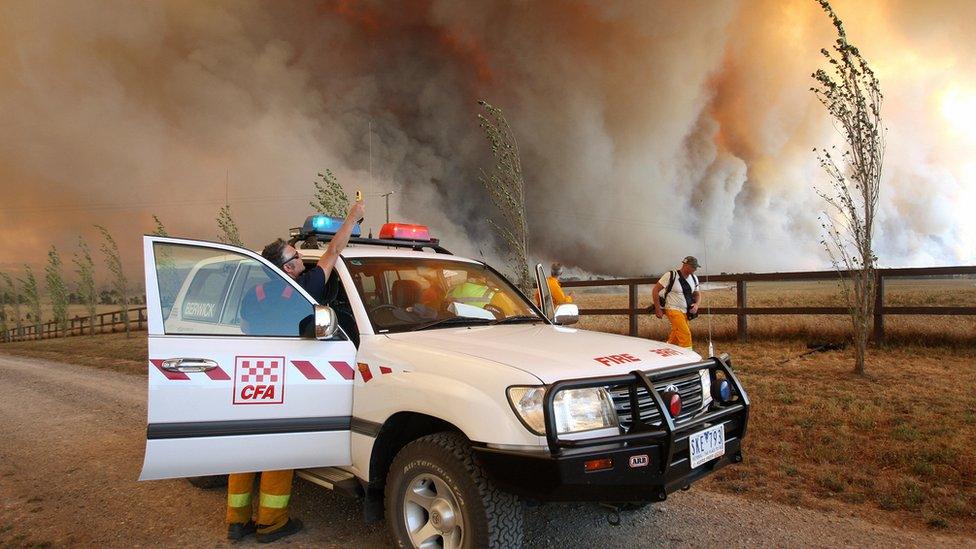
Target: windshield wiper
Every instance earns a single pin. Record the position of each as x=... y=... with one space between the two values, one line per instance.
x=451 y=320
x=516 y=318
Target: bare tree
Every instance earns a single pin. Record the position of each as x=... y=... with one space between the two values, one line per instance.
x=329 y=197
x=160 y=228
x=57 y=290
x=3 y=315
x=227 y=227
x=852 y=95
x=15 y=299
x=33 y=298
x=119 y=283
x=85 y=268
x=506 y=187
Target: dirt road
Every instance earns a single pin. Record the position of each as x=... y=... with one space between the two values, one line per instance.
x=72 y=444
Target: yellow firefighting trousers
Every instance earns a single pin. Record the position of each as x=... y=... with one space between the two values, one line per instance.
x=680 y=331
x=274 y=493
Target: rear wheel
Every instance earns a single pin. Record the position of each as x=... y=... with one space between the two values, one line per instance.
x=437 y=496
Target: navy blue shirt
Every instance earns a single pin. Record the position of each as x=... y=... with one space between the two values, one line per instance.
x=313 y=281
x=273 y=308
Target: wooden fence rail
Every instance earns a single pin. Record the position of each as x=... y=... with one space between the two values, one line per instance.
x=742 y=310
x=79 y=325
x=112 y=321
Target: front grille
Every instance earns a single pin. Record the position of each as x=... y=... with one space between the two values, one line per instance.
x=689 y=387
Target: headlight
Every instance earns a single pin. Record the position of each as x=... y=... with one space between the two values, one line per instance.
x=706 y=383
x=575 y=410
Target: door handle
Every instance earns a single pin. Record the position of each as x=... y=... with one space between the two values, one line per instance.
x=189 y=365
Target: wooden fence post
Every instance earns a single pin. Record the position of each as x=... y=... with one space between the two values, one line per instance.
x=632 y=305
x=878 y=307
x=742 y=320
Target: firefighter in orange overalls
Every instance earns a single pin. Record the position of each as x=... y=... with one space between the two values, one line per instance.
x=555 y=289
x=272 y=522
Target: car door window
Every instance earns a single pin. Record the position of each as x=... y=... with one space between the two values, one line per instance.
x=226 y=293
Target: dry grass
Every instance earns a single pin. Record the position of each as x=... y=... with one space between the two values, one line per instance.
x=898 y=445
x=110 y=351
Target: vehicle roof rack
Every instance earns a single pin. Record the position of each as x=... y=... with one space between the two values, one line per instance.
x=314 y=241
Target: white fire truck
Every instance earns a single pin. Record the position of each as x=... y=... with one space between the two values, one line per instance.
x=425 y=384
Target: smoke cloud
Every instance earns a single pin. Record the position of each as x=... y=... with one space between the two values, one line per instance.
x=648 y=131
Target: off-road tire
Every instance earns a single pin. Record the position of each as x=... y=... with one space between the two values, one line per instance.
x=492 y=518
x=209 y=482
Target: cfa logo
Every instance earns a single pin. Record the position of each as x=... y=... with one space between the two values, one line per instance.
x=259 y=380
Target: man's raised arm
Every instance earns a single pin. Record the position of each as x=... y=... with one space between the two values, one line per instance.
x=341 y=238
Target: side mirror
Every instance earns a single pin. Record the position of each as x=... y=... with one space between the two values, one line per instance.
x=326 y=322
x=565 y=314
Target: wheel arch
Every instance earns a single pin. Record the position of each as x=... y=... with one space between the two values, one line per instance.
x=397 y=431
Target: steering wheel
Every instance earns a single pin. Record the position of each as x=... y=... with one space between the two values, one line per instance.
x=383 y=306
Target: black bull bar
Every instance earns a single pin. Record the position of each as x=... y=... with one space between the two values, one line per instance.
x=639 y=432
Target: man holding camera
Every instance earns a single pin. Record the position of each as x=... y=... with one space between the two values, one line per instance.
x=677 y=294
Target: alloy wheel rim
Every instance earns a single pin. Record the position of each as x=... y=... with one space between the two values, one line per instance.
x=431 y=513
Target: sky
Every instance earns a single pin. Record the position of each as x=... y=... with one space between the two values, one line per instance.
x=648 y=130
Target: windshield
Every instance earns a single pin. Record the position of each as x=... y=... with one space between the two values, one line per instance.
x=402 y=294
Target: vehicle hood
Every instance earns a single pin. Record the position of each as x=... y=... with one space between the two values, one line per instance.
x=552 y=353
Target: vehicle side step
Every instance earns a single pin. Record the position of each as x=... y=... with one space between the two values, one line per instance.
x=333 y=478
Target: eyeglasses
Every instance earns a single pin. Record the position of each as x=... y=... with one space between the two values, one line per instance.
x=289 y=260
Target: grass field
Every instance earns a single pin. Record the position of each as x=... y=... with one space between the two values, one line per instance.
x=896 y=446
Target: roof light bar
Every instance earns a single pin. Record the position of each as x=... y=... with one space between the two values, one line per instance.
x=326 y=225
x=404 y=231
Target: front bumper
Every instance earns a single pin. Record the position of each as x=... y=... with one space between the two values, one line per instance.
x=559 y=474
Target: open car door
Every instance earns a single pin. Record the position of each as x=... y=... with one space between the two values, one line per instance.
x=545 y=296
x=234 y=384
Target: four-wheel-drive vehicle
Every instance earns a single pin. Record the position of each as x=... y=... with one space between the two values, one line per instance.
x=428 y=385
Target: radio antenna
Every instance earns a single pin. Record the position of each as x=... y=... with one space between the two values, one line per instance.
x=708 y=303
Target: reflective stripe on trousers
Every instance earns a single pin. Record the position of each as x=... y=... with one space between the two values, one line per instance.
x=273 y=499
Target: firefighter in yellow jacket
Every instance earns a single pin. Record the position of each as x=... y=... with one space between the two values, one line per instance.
x=476 y=292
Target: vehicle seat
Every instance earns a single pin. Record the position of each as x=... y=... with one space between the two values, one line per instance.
x=405 y=293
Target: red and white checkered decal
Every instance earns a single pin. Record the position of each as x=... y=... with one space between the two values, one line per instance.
x=259 y=380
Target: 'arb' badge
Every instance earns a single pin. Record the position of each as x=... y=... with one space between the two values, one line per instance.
x=259 y=380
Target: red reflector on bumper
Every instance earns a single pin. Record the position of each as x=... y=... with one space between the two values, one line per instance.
x=598 y=464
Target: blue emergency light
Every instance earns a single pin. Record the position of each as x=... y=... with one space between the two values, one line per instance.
x=327 y=225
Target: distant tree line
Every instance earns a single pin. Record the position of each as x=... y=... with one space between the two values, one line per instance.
x=26 y=292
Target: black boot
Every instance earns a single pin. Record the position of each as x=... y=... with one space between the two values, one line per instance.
x=292 y=526
x=237 y=530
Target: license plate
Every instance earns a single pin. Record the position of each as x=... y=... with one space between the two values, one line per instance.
x=707 y=445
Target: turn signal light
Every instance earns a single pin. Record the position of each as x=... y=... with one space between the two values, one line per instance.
x=598 y=465
x=673 y=401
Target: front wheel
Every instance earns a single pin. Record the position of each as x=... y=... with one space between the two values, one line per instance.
x=437 y=496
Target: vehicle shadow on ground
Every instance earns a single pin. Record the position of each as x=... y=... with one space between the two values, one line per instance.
x=334 y=520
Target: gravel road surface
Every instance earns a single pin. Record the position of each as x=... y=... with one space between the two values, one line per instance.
x=72 y=446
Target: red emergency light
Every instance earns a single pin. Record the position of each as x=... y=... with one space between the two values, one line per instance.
x=404 y=231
